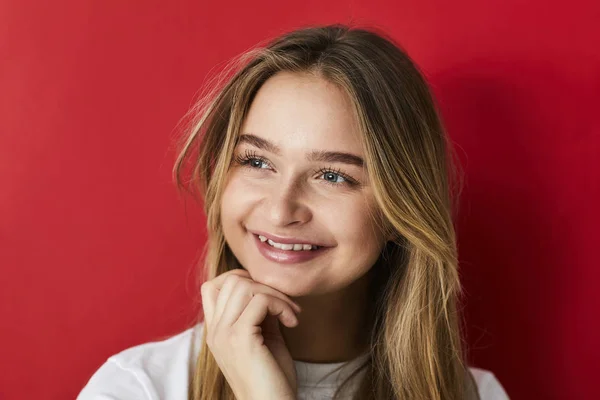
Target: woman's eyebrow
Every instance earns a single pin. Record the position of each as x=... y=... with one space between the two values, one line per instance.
x=314 y=155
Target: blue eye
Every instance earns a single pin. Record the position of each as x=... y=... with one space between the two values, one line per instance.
x=255 y=162
x=334 y=175
x=251 y=160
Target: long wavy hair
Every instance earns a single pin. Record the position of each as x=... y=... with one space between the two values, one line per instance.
x=417 y=348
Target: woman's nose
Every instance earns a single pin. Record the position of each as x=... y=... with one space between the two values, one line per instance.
x=287 y=205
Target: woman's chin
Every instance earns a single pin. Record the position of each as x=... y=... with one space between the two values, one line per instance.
x=292 y=286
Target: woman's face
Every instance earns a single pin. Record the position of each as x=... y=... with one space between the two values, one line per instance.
x=290 y=180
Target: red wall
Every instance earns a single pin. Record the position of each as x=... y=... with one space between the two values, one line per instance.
x=97 y=252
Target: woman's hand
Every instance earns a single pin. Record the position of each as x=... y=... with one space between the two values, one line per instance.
x=243 y=335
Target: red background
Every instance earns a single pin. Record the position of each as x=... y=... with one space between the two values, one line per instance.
x=97 y=251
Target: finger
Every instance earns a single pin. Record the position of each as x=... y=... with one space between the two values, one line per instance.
x=260 y=288
x=210 y=292
x=236 y=303
x=240 y=296
x=224 y=294
x=219 y=281
x=262 y=305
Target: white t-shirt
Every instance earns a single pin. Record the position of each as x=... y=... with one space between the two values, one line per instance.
x=160 y=370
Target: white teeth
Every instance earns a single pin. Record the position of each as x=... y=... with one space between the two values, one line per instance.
x=294 y=247
x=272 y=243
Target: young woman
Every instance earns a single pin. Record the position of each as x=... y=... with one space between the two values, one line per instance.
x=331 y=263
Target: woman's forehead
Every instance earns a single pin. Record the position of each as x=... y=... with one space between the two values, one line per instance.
x=303 y=111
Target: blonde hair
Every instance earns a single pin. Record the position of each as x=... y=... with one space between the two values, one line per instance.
x=416 y=342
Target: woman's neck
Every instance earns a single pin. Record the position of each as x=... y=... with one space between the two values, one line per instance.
x=333 y=327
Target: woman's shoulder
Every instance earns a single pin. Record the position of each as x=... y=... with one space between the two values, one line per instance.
x=488 y=385
x=152 y=370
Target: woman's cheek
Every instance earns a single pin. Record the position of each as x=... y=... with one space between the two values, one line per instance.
x=240 y=188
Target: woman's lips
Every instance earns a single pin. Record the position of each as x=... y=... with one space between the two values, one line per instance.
x=288 y=240
x=286 y=256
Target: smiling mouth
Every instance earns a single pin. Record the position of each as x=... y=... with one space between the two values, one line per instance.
x=297 y=247
x=290 y=257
